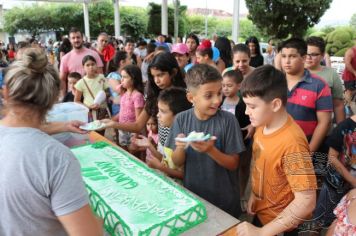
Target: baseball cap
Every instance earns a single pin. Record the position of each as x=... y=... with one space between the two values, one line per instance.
x=180 y=48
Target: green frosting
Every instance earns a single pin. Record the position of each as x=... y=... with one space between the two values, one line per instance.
x=133 y=199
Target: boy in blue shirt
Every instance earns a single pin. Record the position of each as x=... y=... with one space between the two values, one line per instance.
x=210 y=165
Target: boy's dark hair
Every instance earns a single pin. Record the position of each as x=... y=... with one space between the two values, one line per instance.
x=194 y=37
x=316 y=42
x=129 y=40
x=142 y=43
x=74 y=75
x=176 y=99
x=267 y=83
x=151 y=48
x=241 y=48
x=297 y=43
x=235 y=74
x=75 y=30
x=162 y=48
x=88 y=58
x=201 y=74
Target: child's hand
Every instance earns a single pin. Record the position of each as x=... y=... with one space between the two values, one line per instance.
x=154 y=163
x=94 y=107
x=251 y=204
x=142 y=141
x=73 y=126
x=181 y=145
x=247 y=229
x=204 y=146
x=250 y=131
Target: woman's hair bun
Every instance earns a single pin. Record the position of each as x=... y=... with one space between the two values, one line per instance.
x=35 y=59
x=205 y=44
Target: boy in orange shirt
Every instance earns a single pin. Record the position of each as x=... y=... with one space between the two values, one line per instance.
x=283 y=179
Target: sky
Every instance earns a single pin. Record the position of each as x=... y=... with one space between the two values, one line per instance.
x=339 y=12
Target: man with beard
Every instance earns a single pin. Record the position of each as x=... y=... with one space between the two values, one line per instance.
x=72 y=61
x=105 y=50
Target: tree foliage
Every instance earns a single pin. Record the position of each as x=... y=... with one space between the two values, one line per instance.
x=222 y=27
x=154 y=19
x=353 y=21
x=281 y=18
x=61 y=17
x=339 y=40
x=32 y=19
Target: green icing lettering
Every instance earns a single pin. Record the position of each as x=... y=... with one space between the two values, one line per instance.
x=95 y=178
x=91 y=173
x=132 y=184
x=113 y=171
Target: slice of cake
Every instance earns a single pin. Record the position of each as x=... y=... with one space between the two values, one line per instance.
x=133 y=199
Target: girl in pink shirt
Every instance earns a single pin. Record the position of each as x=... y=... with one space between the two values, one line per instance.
x=132 y=101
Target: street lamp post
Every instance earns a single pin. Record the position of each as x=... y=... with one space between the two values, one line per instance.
x=206 y=18
x=236 y=24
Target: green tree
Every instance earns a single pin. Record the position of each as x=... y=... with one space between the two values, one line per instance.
x=133 y=21
x=61 y=17
x=339 y=40
x=328 y=29
x=353 y=21
x=31 y=19
x=247 y=29
x=154 y=19
x=281 y=18
x=67 y=16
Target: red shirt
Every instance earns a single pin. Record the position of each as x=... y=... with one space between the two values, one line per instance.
x=348 y=76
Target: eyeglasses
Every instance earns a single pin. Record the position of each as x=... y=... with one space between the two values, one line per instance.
x=313 y=55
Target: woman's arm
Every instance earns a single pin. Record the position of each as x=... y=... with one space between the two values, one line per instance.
x=82 y=223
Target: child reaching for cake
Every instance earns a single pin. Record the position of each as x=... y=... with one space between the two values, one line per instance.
x=143 y=143
x=168 y=107
x=132 y=100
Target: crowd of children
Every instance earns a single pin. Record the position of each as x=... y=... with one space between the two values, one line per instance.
x=272 y=126
x=286 y=116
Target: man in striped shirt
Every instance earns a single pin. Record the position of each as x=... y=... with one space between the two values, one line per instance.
x=309 y=97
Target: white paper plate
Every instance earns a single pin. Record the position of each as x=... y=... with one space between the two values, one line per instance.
x=194 y=137
x=92 y=126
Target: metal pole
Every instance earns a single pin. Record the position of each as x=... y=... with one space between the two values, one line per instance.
x=206 y=18
x=164 y=19
x=117 y=18
x=86 y=20
x=176 y=18
x=236 y=22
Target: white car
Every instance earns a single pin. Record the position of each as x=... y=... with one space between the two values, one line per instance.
x=338 y=64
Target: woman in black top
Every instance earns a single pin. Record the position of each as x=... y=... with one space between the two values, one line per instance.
x=256 y=57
